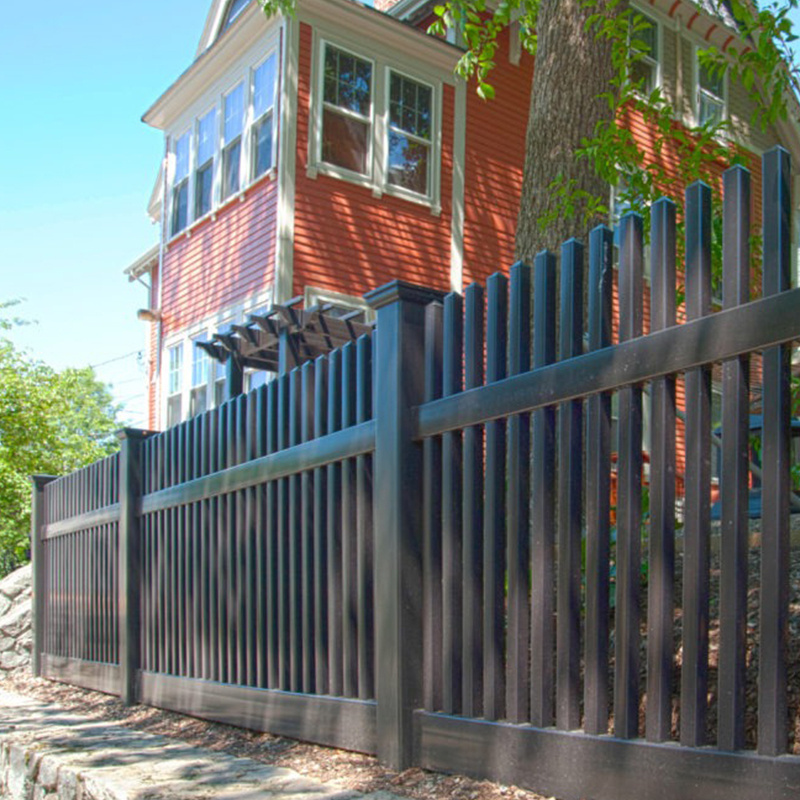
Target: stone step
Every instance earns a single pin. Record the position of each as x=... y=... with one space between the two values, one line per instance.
x=48 y=753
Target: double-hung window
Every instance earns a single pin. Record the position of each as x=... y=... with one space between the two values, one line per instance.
x=198 y=396
x=263 y=116
x=233 y=110
x=410 y=134
x=174 y=384
x=347 y=111
x=204 y=172
x=180 y=185
x=710 y=93
x=645 y=71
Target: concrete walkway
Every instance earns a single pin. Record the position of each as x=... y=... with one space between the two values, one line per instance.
x=47 y=753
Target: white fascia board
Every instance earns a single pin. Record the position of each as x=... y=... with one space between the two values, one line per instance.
x=252 y=27
x=154 y=203
x=393 y=38
x=213 y=21
x=143 y=264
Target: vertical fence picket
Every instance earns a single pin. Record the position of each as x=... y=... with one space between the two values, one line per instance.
x=494 y=531
x=697 y=523
x=598 y=491
x=364 y=533
x=432 y=520
x=776 y=458
x=334 y=532
x=543 y=500
x=306 y=532
x=282 y=555
x=452 y=465
x=660 y=601
x=629 y=492
x=472 y=514
x=570 y=487
x=321 y=533
x=734 y=531
x=294 y=549
x=349 y=523
x=518 y=503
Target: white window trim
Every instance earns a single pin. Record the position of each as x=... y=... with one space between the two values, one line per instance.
x=696 y=90
x=378 y=158
x=243 y=75
x=235 y=314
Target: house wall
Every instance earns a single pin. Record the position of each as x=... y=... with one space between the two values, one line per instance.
x=349 y=241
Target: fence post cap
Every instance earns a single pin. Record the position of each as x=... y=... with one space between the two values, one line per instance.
x=400 y=290
x=133 y=433
x=41 y=480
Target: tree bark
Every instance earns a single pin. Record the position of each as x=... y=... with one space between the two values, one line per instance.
x=573 y=67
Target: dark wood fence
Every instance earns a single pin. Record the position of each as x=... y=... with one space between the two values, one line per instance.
x=406 y=547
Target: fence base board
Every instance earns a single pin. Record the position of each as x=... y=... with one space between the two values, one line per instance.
x=337 y=722
x=88 y=674
x=573 y=766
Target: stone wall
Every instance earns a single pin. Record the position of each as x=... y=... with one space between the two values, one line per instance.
x=15 y=620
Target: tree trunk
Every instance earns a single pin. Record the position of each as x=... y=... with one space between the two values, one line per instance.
x=573 y=67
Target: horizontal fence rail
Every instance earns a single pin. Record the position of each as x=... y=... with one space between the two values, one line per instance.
x=482 y=538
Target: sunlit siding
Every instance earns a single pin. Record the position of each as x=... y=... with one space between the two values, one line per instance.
x=495 y=153
x=222 y=261
x=349 y=241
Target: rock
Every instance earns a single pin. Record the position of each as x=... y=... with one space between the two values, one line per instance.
x=17 y=621
x=11 y=659
x=5 y=604
x=16 y=583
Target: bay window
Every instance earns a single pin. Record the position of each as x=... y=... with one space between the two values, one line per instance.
x=347 y=110
x=233 y=110
x=180 y=185
x=204 y=173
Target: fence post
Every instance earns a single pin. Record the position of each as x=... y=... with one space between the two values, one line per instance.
x=37 y=576
x=130 y=476
x=398 y=514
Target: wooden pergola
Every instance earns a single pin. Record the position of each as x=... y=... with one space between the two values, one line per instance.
x=283 y=338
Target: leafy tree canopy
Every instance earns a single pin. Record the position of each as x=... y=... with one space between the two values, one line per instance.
x=50 y=422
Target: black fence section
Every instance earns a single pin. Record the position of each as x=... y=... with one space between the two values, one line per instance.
x=408 y=546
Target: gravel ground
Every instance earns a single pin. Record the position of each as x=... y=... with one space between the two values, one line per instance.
x=364 y=773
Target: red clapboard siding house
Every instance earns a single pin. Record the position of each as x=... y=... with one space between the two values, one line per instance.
x=322 y=155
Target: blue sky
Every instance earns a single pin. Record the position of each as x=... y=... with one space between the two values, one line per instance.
x=76 y=170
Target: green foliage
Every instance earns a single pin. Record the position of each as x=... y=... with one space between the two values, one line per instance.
x=50 y=422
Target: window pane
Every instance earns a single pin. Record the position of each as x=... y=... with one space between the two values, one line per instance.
x=712 y=80
x=234 y=113
x=262 y=146
x=203 y=190
x=206 y=134
x=710 y=109
x=236 y=8
x=644 y=76
x=181 y=158
x=410 y=107
x=230 y=168
x=408 y=163
x=175 y=368
x=264 y=87
x=180 y=206
x=646 y=34
x=344 y=141
x=348 y=81
x=173 y=410
x=198 y=401
x=200 y=363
